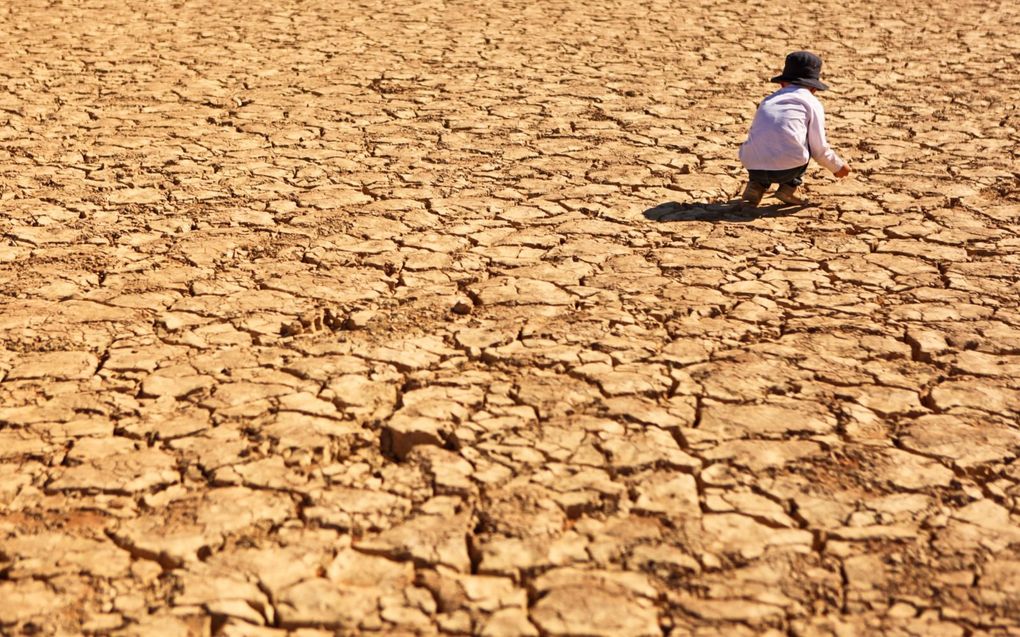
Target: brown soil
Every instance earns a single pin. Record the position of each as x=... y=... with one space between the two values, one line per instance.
x=430 y=317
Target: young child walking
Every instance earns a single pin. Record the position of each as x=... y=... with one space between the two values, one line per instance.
x=788 y=130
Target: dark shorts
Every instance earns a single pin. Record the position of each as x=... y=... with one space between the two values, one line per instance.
x=789 y=177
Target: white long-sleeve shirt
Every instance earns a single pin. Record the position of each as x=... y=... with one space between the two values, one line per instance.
x=788 y=128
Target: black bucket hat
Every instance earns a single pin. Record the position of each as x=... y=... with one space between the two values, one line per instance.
x=802 y=68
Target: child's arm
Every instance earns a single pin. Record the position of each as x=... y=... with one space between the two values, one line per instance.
x=819 y=145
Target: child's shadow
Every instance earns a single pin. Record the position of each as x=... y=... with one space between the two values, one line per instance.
x=731 y=211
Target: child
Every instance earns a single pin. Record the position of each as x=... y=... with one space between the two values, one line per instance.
x=788 y=129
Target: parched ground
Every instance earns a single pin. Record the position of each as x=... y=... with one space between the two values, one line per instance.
x=413 y=318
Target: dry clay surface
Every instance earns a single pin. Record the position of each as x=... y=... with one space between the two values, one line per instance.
x=413 y=318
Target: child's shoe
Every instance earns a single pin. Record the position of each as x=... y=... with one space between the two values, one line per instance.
x=753 y=193
x=788 y=194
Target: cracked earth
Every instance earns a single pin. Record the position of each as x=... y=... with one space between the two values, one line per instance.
x=426 y=318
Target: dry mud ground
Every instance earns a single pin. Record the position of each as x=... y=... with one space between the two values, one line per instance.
x=414 y=318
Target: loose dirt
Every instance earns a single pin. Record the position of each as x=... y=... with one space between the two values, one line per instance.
x=426 y=318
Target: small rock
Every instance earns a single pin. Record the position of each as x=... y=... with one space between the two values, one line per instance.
x=404 y=433
x=462 y=306
x=359 y=320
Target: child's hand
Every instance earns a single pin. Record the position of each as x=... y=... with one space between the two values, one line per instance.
x=844 y=171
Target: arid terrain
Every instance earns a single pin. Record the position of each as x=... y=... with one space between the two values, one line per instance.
x=394 y=318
